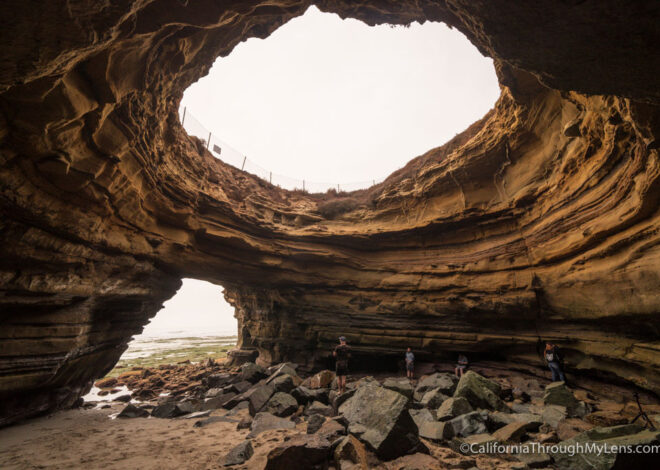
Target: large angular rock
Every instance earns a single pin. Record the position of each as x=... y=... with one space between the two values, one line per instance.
x=239 y=454
x=331 y=430
x=498 y=419
x=173 y=409
x=218 y=380
x=281 y=404
x=466 y=425
x=266 y=421
x=453 y=407
x=252 y=372
x=303 y=451
x=421 y=416
x=283 y=383
x=513 y=432
x=314 y=423
x=306 y=395
x=434 y=430
x=480 y=392
x=318 y=408
x=619 y=437
x=132 y=411
x=557 y=393
x=286 y=368
x=217 y=401
x=399 y=384
x=258 y=397
x=379 y=417
x=553 y=414
x=350 y=454
x=321 y=379
x=443 y=381
x=433 y=398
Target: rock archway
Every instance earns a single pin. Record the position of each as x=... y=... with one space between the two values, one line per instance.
x=542 y=218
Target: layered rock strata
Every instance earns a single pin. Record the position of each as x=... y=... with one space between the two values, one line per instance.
x=539 y=220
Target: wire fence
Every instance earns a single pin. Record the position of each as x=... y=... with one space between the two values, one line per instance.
x=225 y=152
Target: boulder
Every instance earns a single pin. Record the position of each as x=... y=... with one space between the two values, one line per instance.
x=314 y=423
x=434 y=430
x=266 y=421
x=480 y=392
x=213 y=392
x=132 y=411
x=351 y=454
x=305 y=395
x=453 y=407
x=433 y=398
x=557 y=393
x=421 y=416
x=252 y=372
x=615 y=437
x=465 y=425
x=286 y=368
x=318 y=408
x=213 y=419
x=336 y=400
x=301 y=451
x=513 y=432
x=258 y=397
x=331 y=430
x=321 y=379
x=282 y=383
x=497 y=419
x=238 y=387
x=399 y=384
x=443 y=381
x=244 y=423
x=123 y=398
x=379 y=418
x=218 y=380
x=217 y=401
x=239 y=454
x=281 y=404
x=108 y=382
x=553 y=414
x=173 y=409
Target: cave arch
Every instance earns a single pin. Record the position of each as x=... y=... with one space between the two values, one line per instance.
x=107 y=203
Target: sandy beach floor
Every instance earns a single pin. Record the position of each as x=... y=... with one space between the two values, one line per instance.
x=90 y=439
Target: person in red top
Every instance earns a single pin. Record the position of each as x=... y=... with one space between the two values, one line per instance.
x=342 y=354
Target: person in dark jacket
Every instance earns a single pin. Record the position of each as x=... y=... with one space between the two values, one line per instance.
x=410 y=364
x=553 y=359
x=342 y=354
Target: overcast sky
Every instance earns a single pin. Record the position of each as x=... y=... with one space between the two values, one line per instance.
x=328 y=100
x=331 y=100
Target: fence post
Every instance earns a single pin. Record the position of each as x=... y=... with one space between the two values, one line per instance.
x=208 y=142
x=338 y=190
x=183 y=118
x=271 y=178
x=243 y=165
x=374 y=182
x=303 y=185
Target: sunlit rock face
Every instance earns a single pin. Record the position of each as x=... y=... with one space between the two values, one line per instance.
x=539 y=220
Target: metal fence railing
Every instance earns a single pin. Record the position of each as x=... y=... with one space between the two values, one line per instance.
x=225 y=152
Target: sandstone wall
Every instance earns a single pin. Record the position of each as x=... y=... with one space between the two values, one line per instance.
x=540 y=219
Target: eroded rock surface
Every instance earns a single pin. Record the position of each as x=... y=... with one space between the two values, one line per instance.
x=541 y=217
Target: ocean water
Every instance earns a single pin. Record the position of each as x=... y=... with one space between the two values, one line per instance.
x=166 y=342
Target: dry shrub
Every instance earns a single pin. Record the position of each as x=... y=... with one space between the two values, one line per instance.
x=335 y=207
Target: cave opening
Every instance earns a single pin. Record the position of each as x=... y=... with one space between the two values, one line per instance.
x=329 y=103
x=196 y=324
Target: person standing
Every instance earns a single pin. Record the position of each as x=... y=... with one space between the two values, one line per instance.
x=410 y=364
x=553 y=359
x=342 y=354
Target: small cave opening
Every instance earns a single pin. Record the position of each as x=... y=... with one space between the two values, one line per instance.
x=325 y=103
x=195 y=325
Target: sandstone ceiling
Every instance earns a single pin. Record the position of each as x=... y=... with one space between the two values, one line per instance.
x=539 y=220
